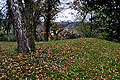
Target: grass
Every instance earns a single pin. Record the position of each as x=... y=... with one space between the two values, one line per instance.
x=84 y=58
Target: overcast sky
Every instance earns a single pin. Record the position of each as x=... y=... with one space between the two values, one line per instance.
x=64 y=15
x=2 y=3
x=68 y=14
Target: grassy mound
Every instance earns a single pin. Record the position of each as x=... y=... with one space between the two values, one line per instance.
x=84 y=58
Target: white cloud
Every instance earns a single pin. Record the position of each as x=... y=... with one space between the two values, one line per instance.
x=66 y=14
x=66 y=1
x=2 y=3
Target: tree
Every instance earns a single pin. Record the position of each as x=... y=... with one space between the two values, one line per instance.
x=9 y=22
x=50 y=10
x=1 y=19
x=36 y=14
x=106 y=17
x=1 y=25
x=55 y=29
x=22 y=23
x=82 y=12
x=109 y=11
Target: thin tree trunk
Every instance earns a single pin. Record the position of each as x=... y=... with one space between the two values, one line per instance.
x=47 y=27
x=22 y=36
x=35 y=24
x=91 y=22
x=47 y=20
x=35 y=35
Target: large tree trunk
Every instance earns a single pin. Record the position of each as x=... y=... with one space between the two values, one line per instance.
x=22 y=33
x=29 y=21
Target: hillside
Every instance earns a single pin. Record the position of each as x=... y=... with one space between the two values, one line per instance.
x=84 y=58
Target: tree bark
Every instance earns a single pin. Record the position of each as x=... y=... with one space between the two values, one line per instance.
x=91 y=22
x=22 y=33
x=47 y=27
x=29 y=22
x=36 y=22
x=47 y=20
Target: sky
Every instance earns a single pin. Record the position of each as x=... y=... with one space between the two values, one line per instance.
x=66 y=14
x=2 y=3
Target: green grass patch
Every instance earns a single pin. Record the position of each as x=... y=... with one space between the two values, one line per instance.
x=84 y=58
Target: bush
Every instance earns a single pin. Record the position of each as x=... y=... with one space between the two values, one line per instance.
x=72 y=36
x=89 y=34
x=5 y=37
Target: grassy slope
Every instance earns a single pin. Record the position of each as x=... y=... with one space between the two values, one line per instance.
x=84 y=58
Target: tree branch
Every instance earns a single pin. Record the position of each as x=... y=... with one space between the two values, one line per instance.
x=3 y=7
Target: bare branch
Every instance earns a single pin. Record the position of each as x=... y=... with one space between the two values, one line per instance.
x=3 y=7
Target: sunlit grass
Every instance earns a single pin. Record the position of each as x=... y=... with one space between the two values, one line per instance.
x=84 y=58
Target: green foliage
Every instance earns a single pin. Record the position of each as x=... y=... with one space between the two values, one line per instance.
x=72 y=36
x=88 y=34
x=104 y=14
x=6 y=25
x=84 y=58
x=5 y=37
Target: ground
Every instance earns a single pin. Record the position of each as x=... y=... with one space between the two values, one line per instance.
x=84 y=58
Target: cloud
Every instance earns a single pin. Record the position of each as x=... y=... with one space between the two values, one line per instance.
x=2 y=3
x=66 y=1
x=66 y=14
